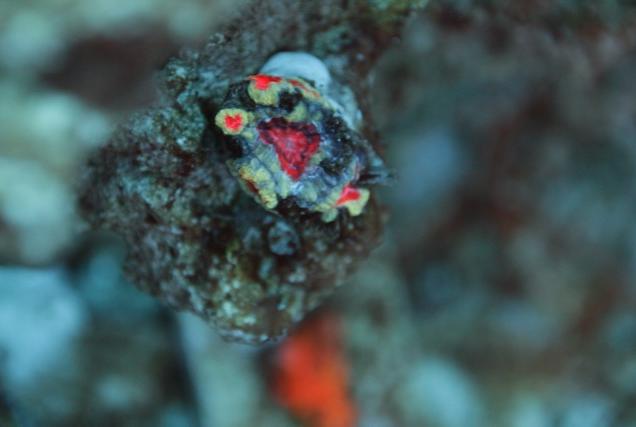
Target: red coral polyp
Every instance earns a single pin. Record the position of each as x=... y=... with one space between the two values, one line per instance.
x=234 y=122
x=349 y=194
x=263 y=81
x=295 y=143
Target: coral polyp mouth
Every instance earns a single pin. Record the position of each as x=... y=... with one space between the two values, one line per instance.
x=295 y=143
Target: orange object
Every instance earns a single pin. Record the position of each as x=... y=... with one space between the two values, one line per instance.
x=311 y=374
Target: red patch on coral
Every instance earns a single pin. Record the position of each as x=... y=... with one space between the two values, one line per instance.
x=263 y=81
x=311 y=375
x=349 y=194
x=233 y=122
x=251 y=186
x=300 y=85
x=294 y=143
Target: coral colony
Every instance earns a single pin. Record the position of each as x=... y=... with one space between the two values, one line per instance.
x=292 y=146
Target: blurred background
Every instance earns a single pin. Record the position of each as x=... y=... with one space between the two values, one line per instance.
x=504 y=293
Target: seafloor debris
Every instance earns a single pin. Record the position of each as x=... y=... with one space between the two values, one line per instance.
x=310 y=376
x=167 y=181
